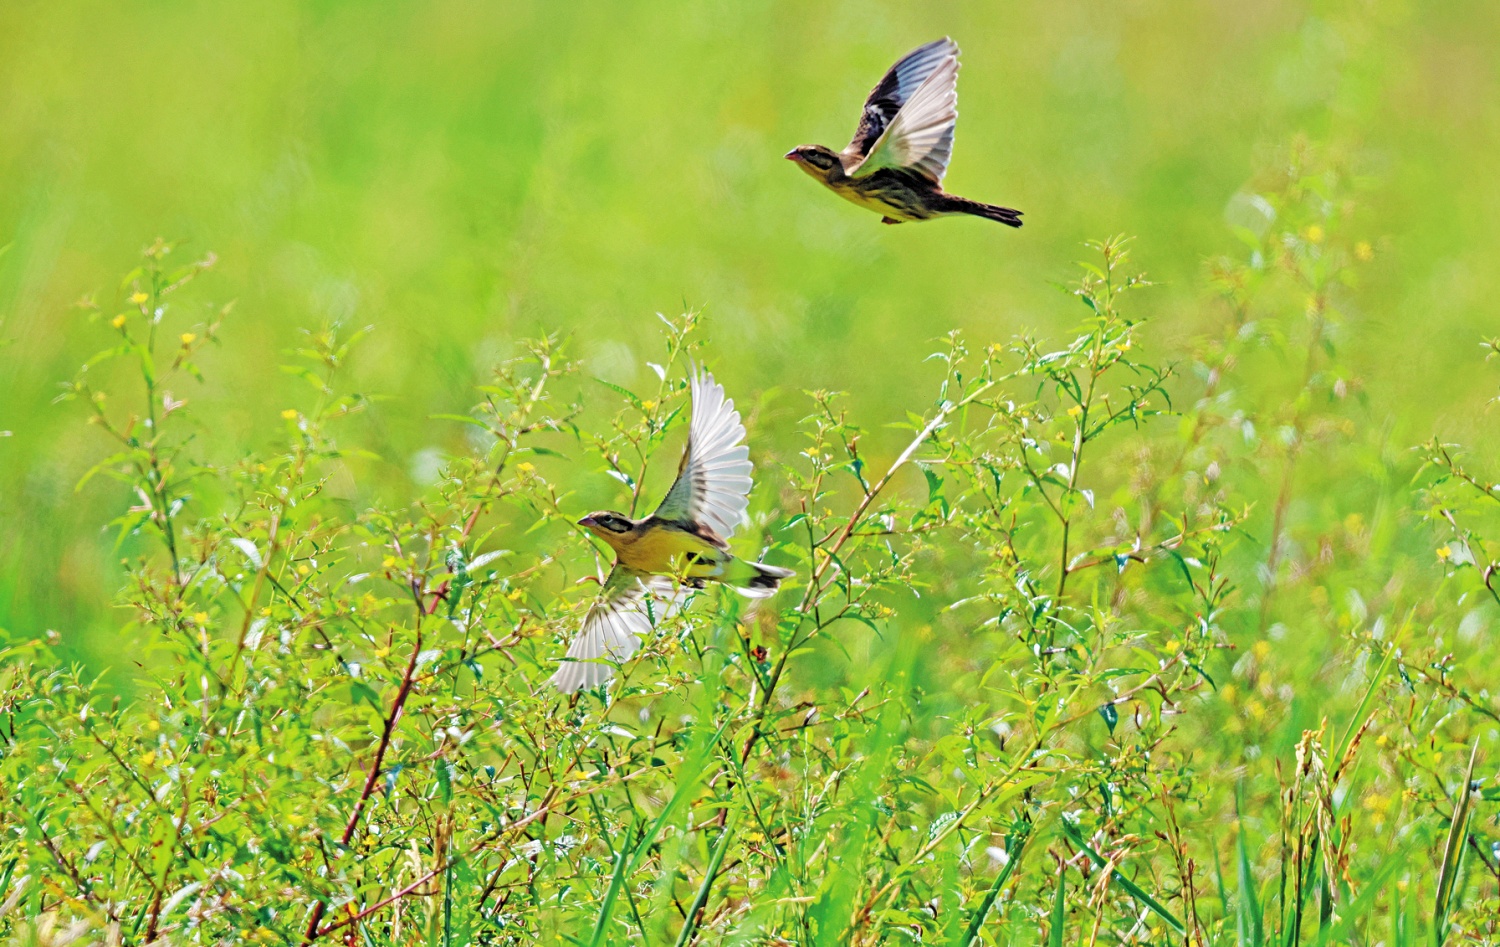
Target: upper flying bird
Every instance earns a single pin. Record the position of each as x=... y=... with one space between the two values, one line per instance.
x=683 y=545
x=895 y=164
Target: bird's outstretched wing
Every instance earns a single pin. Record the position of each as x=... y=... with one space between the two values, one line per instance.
x=896 y=89
x=629 y=606
x=920 y=135
x=713 y=482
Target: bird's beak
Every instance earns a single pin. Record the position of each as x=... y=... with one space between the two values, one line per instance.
x=586 y=521
x=792 y=155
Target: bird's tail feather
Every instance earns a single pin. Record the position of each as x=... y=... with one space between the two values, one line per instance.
x=1006 y=215
x=758 y=580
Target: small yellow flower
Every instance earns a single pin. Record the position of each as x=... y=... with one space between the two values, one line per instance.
x=1314 y=234
x=390 y=562
x=1171 y=647
x=1227 y=693
x=382 y=652
x=1075 y=411
x=148 y=758
x=302 y=569
x=152 y=725
x=524 y=467
x=265 y=612
x=1262 y=648
x=1363 y=252
x=118 y=321
x=290 y=414
x=138 y=297
x=200 y=618
x=188 y=337
x=1444 y=553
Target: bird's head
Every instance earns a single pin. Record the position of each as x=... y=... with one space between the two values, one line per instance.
x=609 y=526
x=821 y=162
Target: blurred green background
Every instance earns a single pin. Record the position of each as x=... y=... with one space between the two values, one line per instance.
x=458 y=174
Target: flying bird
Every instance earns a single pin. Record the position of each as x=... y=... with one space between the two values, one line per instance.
x=683 y=545
x=895 y=164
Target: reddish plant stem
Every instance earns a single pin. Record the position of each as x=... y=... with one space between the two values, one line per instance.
x=373 y=776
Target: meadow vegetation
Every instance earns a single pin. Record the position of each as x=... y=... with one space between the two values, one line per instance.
x=1122 y=642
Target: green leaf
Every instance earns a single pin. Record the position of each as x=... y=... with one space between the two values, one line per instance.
x=629 y=395
x=934 y=482
x=359 y=690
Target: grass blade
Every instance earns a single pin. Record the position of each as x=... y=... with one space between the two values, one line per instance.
x=1015 y=845
x=1130 y=887
x=1247 y=916
x=687 y=784
x=1453 y=852
x=1059 y=907
x=709 y=875
x=1363 y=712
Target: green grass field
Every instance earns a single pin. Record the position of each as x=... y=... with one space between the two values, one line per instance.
x=1144 y=586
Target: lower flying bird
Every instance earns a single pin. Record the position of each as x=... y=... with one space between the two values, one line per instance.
x=684 y=544
x=895 y=164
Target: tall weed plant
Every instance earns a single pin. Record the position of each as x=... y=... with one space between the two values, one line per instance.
x=1111 y=648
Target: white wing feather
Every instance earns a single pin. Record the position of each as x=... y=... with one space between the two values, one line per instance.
x=713 y=483
x=895 y=89
x=920 y=137
x=628 y=608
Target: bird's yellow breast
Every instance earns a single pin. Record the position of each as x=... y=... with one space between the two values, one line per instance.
x=663 y=550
